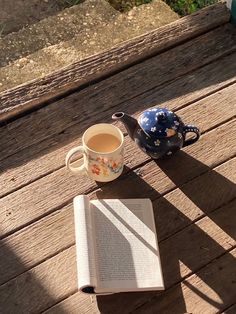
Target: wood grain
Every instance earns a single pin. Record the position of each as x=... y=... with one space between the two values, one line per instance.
x=154 y=180
x=36 y=243
x=179 y=259
x=59 y=116
x=125 y=302
x=196 y=238
x=230 y=310
x=176 y=208
x=42 y=286
x=16 y=175
x=29 y=95
x=37 y=264
x=57 y=189
x=192 y=86
x=182 y=206
x=76 y=303
x=45 y=282
x=210 y=290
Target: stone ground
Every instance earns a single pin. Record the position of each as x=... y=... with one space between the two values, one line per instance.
x=48 y=38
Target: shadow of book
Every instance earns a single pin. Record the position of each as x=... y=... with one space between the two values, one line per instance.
x=185 y=246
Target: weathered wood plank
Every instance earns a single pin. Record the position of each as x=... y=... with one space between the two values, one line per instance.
x=76 y=303
x=210 y=290
x=182 y=206
x=230 y=310
x=59 y=116
x=193 y=199
x=197 y=238
x=154 y=181
x=28 y=204
x=36 y=243
x=31 y=94
x=177 y=208
x=42 y=286
x=187 y=89
x=124 y=303
x=192 y=86
x=43 y=277
x=15 y=175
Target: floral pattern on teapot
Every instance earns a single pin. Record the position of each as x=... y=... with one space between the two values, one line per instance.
x=158 y=132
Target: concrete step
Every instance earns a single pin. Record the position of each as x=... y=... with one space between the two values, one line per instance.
x=73 y=34
x=16 y=14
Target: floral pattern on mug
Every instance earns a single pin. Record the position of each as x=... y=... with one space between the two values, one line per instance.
x=102 y=165
x=95 y=169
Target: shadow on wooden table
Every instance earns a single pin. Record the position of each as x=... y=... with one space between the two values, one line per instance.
x=191 y=247
x=111 y=94
x=26 y=293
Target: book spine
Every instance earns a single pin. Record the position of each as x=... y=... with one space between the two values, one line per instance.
x=86 y=269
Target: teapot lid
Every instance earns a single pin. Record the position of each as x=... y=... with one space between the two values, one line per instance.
x=159 y=122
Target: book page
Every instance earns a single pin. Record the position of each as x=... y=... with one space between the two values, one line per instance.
x=126 y=247
x=84 y=244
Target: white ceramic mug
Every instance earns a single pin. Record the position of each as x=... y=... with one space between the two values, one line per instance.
x=99 y=166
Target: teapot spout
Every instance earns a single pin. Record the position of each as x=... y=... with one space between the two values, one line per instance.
x=129 y=122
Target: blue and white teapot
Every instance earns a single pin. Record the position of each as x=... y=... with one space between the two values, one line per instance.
x=158 y=131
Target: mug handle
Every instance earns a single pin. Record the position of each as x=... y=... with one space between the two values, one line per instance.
x=70 y=154
x=193 y=129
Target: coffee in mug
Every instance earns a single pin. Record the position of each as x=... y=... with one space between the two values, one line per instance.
x=103 y=150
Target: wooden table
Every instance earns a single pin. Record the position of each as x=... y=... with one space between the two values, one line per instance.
x=193 y=192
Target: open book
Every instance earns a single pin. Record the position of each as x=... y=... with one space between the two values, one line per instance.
x=116 y=245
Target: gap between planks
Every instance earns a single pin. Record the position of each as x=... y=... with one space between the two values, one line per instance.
x=63 y=160
x=132 y=169
x=221 y=234
x=161 y=203
x=185 y=279
x=231 y=126
x=230 y=310
x=107 y=62
x=208 y=101
x=73 y=301
x=74 y=184
x=50 y=159
x=200 y=51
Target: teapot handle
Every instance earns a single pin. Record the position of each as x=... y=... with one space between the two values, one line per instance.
x=194 y=129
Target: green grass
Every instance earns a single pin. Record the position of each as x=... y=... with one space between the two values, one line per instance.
x=182 y=7
x=185 y=7
x=126 y=5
